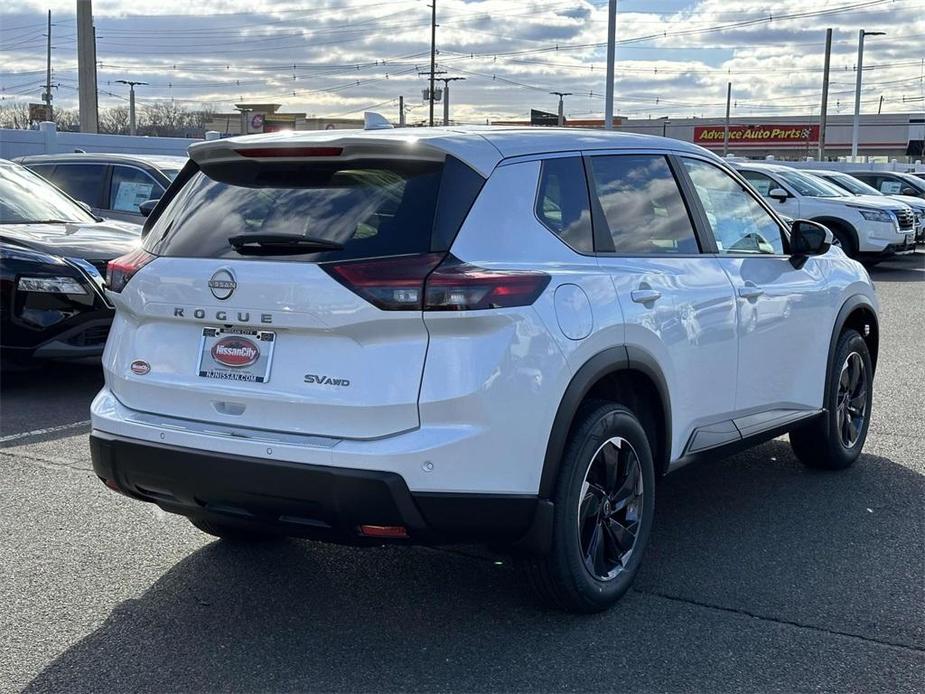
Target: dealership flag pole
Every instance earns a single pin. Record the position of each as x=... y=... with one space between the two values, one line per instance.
x=611 y=51
x=823 y=112
x=726 y=126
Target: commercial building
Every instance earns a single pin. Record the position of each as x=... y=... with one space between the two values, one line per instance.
x=884 y=137
x=266 y=118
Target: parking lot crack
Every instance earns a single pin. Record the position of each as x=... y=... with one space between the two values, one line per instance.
x=788 y=622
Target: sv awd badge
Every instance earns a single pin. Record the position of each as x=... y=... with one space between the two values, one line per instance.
x=326 y=380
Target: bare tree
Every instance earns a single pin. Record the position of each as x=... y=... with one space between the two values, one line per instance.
x=67 y=119
x=115 y=120
x=15 y=114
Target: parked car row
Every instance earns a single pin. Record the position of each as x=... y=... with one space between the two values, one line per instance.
x=53 y=257
x=113 y=185
x=868 y=227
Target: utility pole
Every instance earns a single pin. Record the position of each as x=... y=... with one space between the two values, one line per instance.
x=823 y=112
x=131 y=103
x=86 y=68
x=47 y=95
x=880 y=107
x=401 y=112
x=433 y=57
x=857 y=90
x=611 y=56
x=726 y=126
x=561 y=96
x=446 y=96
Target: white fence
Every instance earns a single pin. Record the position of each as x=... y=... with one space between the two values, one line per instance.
x=840 y=165
x=48 y=140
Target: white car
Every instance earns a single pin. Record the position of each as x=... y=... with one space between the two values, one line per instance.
x=855 y=186
x=484 y=335
x=868 y=228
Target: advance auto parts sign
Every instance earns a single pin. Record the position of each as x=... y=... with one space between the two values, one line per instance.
x=745 y=135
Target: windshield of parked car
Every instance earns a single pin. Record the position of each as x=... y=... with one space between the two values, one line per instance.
x=851 y=184
x=810 y=185
x=913 y=182
x=27 y=198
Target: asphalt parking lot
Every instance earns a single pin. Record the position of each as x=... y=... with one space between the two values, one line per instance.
x=761 y=575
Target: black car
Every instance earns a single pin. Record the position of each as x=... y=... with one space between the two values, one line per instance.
x=53 y=257
x=113 y=185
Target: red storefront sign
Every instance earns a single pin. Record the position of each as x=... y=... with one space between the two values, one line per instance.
x=757 y=135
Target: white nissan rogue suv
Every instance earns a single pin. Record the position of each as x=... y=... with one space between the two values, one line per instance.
x=488 y=335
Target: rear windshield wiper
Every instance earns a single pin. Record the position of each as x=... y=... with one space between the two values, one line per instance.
x=281 y=244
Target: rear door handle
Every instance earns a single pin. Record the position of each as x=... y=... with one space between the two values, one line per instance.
x=645 y=296
x=750 y=292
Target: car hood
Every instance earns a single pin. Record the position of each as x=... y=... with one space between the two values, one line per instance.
x=917 y=203
x=91 y=241
x=875 y=202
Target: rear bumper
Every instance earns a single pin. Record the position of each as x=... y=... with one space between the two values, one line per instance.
x=315 y=501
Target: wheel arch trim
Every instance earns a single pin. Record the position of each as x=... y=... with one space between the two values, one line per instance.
x=849 y=307
x=601 y=365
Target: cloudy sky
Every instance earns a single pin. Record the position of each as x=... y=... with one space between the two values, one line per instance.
x=339 y=57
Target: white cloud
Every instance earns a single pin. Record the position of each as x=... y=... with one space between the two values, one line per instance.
x=336 y=56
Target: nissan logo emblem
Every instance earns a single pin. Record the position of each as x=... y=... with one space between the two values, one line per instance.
x=222 y=284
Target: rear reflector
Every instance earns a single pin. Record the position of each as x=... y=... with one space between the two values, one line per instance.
x=123 y=268
x=391 y=531
x=265 y=152
x=431 y=282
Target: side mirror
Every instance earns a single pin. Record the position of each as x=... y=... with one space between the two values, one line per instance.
x=778 y=194
x=147 y=207
x=808 y=238
x=909 y=190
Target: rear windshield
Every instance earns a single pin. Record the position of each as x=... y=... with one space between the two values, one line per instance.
x=372 y=208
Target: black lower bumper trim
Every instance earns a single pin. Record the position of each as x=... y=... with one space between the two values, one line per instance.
x=321 y=502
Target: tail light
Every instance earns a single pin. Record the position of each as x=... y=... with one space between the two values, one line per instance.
x=122 y=269
x=432 y=282
x=458 y=286
x=392 y=284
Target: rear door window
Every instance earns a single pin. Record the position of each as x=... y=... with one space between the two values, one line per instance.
x=373 y=208
x=642 y=204
x=130 y=187
x=562 y=203
x=82 y=182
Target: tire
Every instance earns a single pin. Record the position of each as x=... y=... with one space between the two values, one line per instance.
x=845 y=241
x=834 y=441
x=606 y=438
x=230 y=532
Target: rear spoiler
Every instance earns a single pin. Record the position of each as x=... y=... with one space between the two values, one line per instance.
x=402 y=143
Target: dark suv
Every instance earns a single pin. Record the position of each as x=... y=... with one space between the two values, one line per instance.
x=113 y=185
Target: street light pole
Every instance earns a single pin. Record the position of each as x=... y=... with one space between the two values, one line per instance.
x=433 y=56
x=857 y=90
x=561 y=96
x=611 y=56
x=131 y=103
